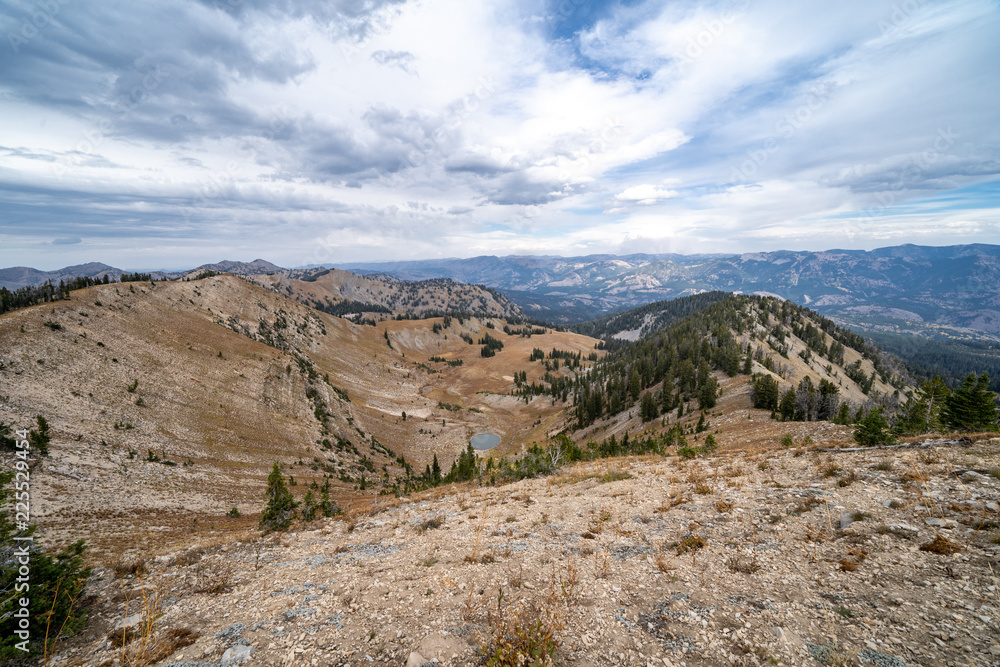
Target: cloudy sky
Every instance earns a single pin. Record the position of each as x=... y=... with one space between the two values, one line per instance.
x=168 y=133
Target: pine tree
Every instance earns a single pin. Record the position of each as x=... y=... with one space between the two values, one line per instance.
x=647 y=408
x=436 y=471
x=764 y=393
x=280 y=508
x=971 y=407
x=57 y=583
x=923 y=412
x=309 y=507
x=708 y=393
x=787 y=405
x=873 y=430
x=39 y=438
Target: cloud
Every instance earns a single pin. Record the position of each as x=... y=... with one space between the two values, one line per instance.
x=71 y=240
x=646 y=194
x=182 y=126
x=399 y=59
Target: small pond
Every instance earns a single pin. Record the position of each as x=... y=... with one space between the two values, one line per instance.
x=485 y=441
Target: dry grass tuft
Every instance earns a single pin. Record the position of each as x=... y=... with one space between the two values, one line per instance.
x=614 y=476
x=523 y=633
x=743 y=565
x=215 y=582
x=663 y=565
x=941 y=545
x=124 y=567
x=189 y=557
x=691 y=543
x=165 y=646
x=723 y=506
x=913 y=476
x=430 y=524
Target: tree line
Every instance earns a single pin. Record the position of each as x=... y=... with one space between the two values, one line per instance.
x=32 y=295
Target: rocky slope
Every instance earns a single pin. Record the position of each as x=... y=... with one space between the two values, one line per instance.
x=346 y=293
x=757 y=555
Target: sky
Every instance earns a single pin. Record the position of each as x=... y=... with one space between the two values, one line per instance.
x=169 y=133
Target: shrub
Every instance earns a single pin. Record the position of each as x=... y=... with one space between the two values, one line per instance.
x=524 y=635
x=57 y=583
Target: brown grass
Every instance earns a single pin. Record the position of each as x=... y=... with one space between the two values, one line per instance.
x=743 y=565
x=125 y=567
x=691 y=543
x=941 y=545
x=433 y=522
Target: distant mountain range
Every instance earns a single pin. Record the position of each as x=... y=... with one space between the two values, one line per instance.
x=950 y=292
x=16 y=277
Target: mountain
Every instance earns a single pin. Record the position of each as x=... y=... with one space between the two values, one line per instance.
x=675 y=354
x=172 y=399
x=670 y=493
x=16 y=277
x=344 y=293
x=257 y=266
x=930 y=291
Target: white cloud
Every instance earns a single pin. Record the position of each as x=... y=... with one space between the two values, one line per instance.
x=646 y=194
x=452 y=127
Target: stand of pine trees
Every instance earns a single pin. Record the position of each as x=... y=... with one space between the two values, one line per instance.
x=33 y=295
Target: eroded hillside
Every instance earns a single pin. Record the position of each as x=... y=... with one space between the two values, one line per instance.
x=169 y=401
x=344 y=293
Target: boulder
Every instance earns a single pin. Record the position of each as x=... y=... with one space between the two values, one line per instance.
x=237 y=654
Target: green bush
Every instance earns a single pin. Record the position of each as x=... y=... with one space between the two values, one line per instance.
x=873 y=430
x=56 y=584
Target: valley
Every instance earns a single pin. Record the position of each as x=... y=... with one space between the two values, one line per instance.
x=168 y=402
x=654 y=467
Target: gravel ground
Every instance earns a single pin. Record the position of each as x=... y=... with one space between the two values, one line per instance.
x=781 y=557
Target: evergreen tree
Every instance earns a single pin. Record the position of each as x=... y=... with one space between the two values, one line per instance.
x=923 y=412
x=436 y=471
x=309 y=507
x=971 y=407
x=57 y=582
x=843 y=414
x=787 y=405
x=764 y=393
x=328 y=507
x=708 y=393
x=39 y=438
x=647 y=408
x=280 y=508
x=6 y=441
x=873 y=430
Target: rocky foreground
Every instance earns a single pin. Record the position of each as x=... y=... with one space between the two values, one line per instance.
x=786 y=557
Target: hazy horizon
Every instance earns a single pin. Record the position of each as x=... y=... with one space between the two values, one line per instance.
x=249 y=259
